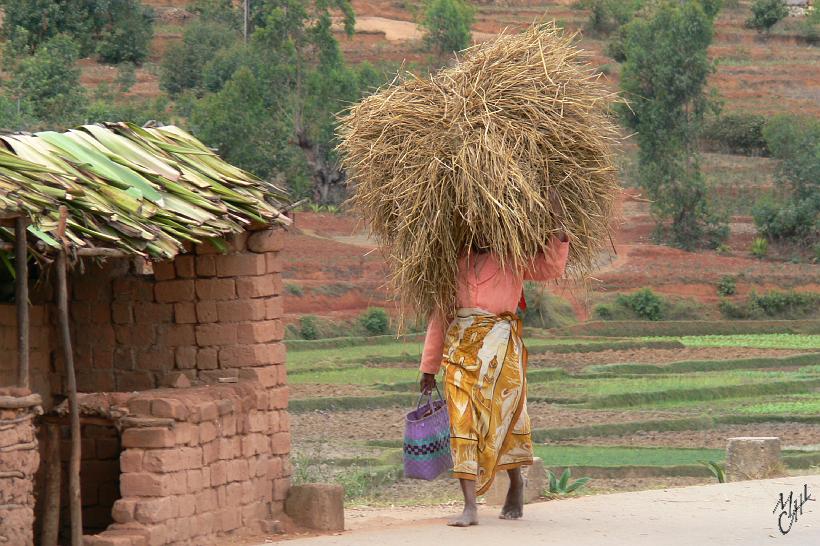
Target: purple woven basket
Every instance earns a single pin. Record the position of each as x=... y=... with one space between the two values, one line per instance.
x=427 y=440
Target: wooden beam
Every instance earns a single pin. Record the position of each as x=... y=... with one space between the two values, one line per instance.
x=95 y=252
x=51 y=509
x=74 y=499
x=21 y=301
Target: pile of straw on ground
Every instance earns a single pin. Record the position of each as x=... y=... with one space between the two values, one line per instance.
x=474 y=151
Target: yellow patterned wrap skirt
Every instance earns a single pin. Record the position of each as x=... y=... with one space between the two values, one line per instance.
x=485 y=384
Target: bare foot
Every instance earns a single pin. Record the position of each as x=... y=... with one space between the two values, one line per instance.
x=467 y=518
x=514 y=504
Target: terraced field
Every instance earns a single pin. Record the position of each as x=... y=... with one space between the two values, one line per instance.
x=629 y=412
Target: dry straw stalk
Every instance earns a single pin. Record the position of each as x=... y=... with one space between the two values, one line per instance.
x=473 y=153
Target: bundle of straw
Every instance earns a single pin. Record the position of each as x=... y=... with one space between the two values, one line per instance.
x=474 y=152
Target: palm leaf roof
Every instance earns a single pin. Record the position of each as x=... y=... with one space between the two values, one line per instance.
x=142 y=190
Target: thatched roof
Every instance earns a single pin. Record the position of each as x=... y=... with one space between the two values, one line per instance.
x=142 y=190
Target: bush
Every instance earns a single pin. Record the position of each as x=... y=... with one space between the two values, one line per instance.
x=127 y=36
x=375 y=321
x=644 y=303
x=760 y=247
x=774 y=304
x=307 y=327
x=447 y=25
x=737 y=133
x=727 y=286
x=183 y=66
x=607 y=16
x=294 y=289
x=766 y=14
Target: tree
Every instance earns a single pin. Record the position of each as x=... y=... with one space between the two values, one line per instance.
x=183 y=65
x=118 y=30
x=293 y=77
x=447 y=25
x=49 y=81
x=766 y=14
x=663 y=76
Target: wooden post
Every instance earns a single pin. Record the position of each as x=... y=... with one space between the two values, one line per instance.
x=74 y=499
x=51 y=505
x=21 y=299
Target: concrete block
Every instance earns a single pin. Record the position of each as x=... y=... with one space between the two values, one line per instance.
x=753 y=458
x=535 y=482
x=317 y=506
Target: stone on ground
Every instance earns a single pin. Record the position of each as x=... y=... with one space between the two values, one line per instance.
x=753 y=458
x=317 y=506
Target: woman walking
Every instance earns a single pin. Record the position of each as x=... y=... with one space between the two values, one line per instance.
x=485 y=365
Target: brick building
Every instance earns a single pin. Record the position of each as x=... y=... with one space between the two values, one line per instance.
x=180 y=375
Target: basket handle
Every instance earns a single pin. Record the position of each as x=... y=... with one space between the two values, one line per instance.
x=429 y=397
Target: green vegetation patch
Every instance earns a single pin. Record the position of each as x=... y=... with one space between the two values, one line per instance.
x=568 y=455
x=685 y=366
x=762 y=341
x=638 y=328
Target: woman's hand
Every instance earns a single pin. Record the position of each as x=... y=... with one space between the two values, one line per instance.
x=428 y=381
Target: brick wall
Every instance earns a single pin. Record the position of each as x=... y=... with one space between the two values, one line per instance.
x=19 y=460
x=200 y=462
x=214 y=318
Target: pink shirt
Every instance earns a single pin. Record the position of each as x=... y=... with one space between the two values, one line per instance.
x=483 y=284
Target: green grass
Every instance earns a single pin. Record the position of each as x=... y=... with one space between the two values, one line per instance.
x=685 y=366
x=735 y=405
x=808 y=404
x=355 y=376
x=762 y=341
x=620 y=385
x=623 y=455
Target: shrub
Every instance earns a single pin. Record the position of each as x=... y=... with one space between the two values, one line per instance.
x=545 y=310
x=375 y=321
x=737 y=133
x=644 y=303
x=447 y=25
x=766 y=14
x=307 y=327
x=183 y=65
x=788 y=304
x=727 y=286
x=603 y=312
x=607 y=16
x=294 y=289
x=760 y=247
x=127 y=35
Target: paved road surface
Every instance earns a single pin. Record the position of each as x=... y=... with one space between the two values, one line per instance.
x=738 y=513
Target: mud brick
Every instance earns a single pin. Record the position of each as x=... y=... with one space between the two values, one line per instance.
x=224 y=406
x=149 y=437
x=186 y=433
x=229 y=448
x=185 y=313
x=284 y=421
x=168 y=407
x=156 y=359
x=215 y=289
x=155 y=510
x=210 y=452
x=164 y=270
x=235 y=265
x=240 y=310
x=143 y=484
x=256 y=354
x=273 y=421
x=229 y=518
x=131 y=460
x=121 y=313
x=186 y=505
x=163 y=460
x=174 y=291
x=135 y=381
x=274 y=308
x=280 y=443
x=215 y=334
x=122 y=510
x=237 y=470
x=267 y=376
x=153 y=313
x=206 y=266
x=208 y=411
x=206 y=311
x=280 y=488
x=219 y=473
x=255 y=287
x=207 y=432
x=263 y=331
x=273 y=262
x=206 y=501
x=185 y=358
x=185 y=266
x=132 y=289
x=268 y=240
x=228 y=425
x=237 y=242
x=278 y=398
x=233 y=492
x=194 y=479
x=176 y=335
x=274 y=468
x=206 y=359
x=103 y=358
x=257 y=421
x=140 y=335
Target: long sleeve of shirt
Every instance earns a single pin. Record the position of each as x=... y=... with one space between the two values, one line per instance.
x=433 y=345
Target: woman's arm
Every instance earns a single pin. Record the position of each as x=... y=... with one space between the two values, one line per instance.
x=550 y=264
x=433 y=345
